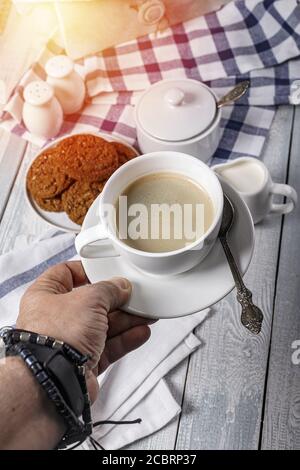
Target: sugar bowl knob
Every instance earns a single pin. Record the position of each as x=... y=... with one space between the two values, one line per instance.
x=174 y=97
x=151 y=12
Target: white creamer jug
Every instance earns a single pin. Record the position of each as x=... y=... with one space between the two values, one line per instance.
x=251 y=178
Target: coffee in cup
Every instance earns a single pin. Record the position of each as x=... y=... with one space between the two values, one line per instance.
x=163 y=212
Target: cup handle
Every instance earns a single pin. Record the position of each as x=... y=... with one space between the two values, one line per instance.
x=85 y=248
x=290 y=193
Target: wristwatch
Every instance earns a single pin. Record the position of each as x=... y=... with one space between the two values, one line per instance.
x=60 y=369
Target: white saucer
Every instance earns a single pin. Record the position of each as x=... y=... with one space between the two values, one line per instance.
x=187 y=293
x=60 y=220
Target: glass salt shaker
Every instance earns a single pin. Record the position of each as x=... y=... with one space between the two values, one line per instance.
x=69 y=87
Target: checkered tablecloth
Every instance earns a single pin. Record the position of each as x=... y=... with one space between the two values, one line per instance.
x=247 y=39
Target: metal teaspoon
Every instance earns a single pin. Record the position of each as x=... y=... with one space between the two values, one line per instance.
x=233 y=95
x=252 y=316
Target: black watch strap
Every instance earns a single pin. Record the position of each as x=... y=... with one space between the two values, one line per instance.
x=62 y=372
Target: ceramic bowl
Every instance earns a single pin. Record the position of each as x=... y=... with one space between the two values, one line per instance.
x=180 y=116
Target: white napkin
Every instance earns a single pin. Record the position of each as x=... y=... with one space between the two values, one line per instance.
x=131 y=388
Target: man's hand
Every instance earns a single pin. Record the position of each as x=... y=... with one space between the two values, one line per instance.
x=63 y=305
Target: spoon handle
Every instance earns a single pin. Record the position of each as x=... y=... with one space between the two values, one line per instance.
x=237 y=92
x=239 y=283
x=251 y=316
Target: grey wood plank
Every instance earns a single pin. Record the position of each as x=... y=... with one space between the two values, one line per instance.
x=12 y=149
x=225 y=384
x=18 y=217
x=282 y=413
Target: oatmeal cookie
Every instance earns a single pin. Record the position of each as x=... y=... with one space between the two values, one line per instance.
x=124 y=153
x=51 y=205
x=78 y=198
x=88 y=158
x=98 y=185
x=46 y=177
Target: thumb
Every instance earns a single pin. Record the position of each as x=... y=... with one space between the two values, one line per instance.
x=92 y=385
x=112 y=294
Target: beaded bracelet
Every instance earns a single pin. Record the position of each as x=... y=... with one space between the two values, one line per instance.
x=12 y=336
x=78 y=431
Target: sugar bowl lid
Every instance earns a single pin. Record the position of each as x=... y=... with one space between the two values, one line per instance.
x=175 y=110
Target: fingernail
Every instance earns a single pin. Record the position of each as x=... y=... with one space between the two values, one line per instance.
x=122 y=282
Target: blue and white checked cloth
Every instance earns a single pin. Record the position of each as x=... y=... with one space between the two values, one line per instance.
x=257 y=40
x=248 y=39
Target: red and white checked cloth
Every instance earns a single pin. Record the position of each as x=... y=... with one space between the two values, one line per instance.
x=253 y=39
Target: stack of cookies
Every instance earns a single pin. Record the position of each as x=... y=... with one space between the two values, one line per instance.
x=69 y=176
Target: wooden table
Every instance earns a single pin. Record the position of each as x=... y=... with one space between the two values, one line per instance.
x=237 y=391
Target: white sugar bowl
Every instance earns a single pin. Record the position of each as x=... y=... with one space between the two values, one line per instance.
x=179 y=115
x=42 y=113
x=68 y=85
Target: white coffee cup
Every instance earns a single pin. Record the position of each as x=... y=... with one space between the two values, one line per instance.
x=166 y=263
x=251 y=178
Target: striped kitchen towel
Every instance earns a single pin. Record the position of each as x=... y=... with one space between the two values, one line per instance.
x=257 y=40
x=134 y=386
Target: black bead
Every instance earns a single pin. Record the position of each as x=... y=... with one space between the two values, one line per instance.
x=36 y=368
x=16 y=336
x=31 y=360
x=49 y=342
x=41 y=376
